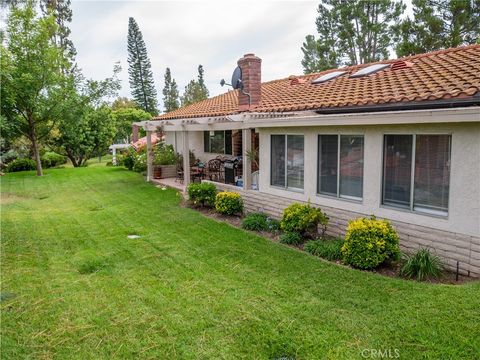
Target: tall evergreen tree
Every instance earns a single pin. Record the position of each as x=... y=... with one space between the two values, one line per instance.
x=61 y=11
x=439 y=24
x=140 y=70
x=351 y=32
x=201 y=82
x=170 y=92
x=196 y=90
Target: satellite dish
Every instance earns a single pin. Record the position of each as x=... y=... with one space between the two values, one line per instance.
x=237 y=78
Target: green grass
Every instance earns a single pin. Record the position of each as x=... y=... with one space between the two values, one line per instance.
x=74 y=286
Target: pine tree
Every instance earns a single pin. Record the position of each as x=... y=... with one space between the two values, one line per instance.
x=62 y=13
x=439 y=24
x=170 y=93
x=351 y=32
x=139 y=70
x=201 y=83
x=196 y=90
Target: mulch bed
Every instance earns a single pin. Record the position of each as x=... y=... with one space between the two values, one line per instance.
x=389 y=269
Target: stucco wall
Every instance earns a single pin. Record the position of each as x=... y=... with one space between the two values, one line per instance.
x=464 y=202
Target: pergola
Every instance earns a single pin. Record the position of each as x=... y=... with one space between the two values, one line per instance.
x=185 y=126
x=244 y=122
x=114 y=148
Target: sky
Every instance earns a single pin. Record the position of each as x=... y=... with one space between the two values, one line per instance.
x=183 y=34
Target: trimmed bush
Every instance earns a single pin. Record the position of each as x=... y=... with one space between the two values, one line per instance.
x=255 y=222
x=291 y=238
x=369 y=243
x=303 y=219
x=422 y=265
x=260 y=222
x=326 y=249
x=202 y=194
x=21 y=165
x=228 y=203
x=52 y=159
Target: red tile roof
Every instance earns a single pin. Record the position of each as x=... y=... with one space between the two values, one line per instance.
x=443 y=74
x=143 y=141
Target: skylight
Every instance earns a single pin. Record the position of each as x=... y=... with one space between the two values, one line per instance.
x=369 y=70
x=328 y=76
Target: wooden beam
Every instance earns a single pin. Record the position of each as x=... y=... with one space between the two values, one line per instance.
x=149 y=156
x=247 y=164
x=186 y=159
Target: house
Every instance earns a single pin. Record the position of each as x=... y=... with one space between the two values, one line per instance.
x=399 y=139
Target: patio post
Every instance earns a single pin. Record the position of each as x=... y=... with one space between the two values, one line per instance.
x=186 y=159
x=247 y=164
x=149 y=156
x=114 y=156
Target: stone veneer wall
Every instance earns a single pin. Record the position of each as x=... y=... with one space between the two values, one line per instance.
x=451 y=247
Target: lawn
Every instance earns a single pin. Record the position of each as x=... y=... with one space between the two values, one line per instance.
x=74 y=286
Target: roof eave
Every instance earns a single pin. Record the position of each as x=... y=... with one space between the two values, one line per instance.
x=411 y=105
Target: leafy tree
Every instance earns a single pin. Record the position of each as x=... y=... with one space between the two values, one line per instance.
x=170 y=93
x=439 y=24
x=196 y=90
x=32 y=80
x=139 y=70
x=351 y=32
x=124 y=117
x=123 y=103
x=87 y=126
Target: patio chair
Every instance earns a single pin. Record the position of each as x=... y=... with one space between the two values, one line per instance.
x=215 y=170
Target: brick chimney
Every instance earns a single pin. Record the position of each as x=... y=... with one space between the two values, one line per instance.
x=134 y=133
x=252 y=82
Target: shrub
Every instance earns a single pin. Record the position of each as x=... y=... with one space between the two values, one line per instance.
x=52 y=159
x=202 y=194
x=326 y=249
x=21 y=165
x=273 y=224
x=255 y=222
x=303 y=219
x=164 y=155
x=228 y=203
x=291 y=238
x=369 y=243
x=140 y=163
x=120 y=160
x=422 y=265
x=129 y=159
x=8 y=157
x=260 y=222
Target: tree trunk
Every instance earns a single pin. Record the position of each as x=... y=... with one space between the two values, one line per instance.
x=36 y=152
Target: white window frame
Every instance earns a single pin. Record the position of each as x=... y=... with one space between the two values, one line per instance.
x=286 y=187
x=338 y=196
x=411 y=208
